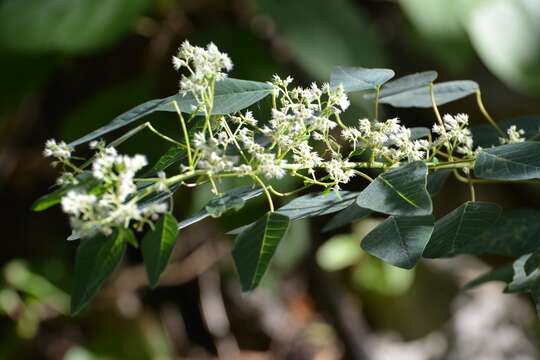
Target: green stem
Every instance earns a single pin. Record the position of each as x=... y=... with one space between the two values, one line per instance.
x=487 y=116
x=185 y=131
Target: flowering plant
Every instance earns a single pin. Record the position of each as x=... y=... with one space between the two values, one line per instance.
x=305 y=138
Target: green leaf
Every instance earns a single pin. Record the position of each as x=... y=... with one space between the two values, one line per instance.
x=245 y=193
x=444 y=93
x=174 y=155
x=522 y=281
x=520 y=161
x=40 y=26
x=218 y=206
x=346 y=217
x=458 y=232
x=157 y=246
x=486 y=135
x=515 y=233
x=407 y=83
x=400 y=191
x=436 y=180
x=317 y=204
x=231 y=95
x=95 y=260
x=400 y=240
x=86 y=183
x=359 y=79
x=502 y=273
x=254 y=247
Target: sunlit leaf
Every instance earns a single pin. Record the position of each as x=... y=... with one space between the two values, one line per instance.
x=359 y=79
x=520 y=161
x=255 y=246
x=231 y=95
x=444 y=92
x=317 y=204
x=400 y=191
x=400 y=240
x=95 y=260
x=408 y=83
x=157 y=246
x=458 y=232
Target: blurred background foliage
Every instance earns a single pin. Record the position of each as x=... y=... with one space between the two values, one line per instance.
x=69 y=66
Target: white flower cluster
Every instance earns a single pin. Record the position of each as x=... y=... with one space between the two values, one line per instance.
x=58 y=150
x=515 y=135
x=115 y=204
x=204 y=67
x=455 y=134
x=389 y=140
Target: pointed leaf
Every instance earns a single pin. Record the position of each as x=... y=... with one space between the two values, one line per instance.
x=317 y=204
x=86 y=183
x=95 y=260
x=520 y=161
x=346 y=217
x=157 y=246
x=255 y=246
x=400 y=191
x=400 y=240
x=458 y=232
x=231 y=95
x=174 y=155
x=359 y=79
x=421 y=97
x=245 y=193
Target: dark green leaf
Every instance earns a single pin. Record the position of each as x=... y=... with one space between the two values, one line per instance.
x=157 y=246
x=37 y=26
x=245 y=193
x=521 y=282
x=515 y=234
x=421 y=97
x=520 y=161
x=400 y=240
x=400 y=191
x=95 y=260
x=231 y=95
x=436 y=180
x=458 y=232
x=359 y=79
x=216 y=207
x=503 y=273
x=486 y=135
x=174 y=155
x=317 y=204
x=255 y=246
x=346 y=216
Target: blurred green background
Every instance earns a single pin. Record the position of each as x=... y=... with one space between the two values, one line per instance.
x=70 y=66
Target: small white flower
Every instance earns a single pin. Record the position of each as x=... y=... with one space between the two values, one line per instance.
x=515 y=135
x=61 y=151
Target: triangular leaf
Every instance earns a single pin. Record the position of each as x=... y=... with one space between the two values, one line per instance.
x=520 y=161
x=359 y=78
x=436 y=180
x=400 y=191
x=400 y=240
x=157 y=246
x=95 y=260
x=346 y=216
x=255 y=246
x=458 y=232
x=231 y=95
x=421 y=97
